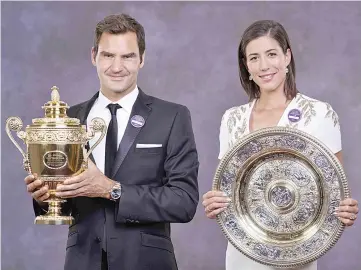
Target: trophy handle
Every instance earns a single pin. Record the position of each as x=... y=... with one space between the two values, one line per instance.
x=15 y=124
x=97 y=125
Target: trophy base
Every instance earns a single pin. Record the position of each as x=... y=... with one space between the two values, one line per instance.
x=54 y=215
x=54 y=220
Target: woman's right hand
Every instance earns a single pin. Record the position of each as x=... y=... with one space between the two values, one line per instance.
x=215 y=202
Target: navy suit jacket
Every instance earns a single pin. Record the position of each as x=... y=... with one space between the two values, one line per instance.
x=159 y=187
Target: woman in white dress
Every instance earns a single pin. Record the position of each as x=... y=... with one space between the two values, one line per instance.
x=267 y=74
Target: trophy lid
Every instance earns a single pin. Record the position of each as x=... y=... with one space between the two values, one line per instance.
x=55 y=111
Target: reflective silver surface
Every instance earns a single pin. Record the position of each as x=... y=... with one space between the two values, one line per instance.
x=284 y=185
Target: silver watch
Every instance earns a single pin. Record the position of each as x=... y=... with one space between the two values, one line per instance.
x=116 y=192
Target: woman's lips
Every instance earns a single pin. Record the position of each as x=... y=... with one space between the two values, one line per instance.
x=267 y=77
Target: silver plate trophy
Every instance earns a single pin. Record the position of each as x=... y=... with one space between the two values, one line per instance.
x=284 y=185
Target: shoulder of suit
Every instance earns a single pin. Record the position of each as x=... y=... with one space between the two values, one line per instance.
x=72 y=111
x=161 y=103
x=79 y=105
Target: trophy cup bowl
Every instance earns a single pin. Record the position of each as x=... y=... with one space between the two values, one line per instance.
x=55 y=151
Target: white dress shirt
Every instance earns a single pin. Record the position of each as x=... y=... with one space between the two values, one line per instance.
x=100 y=109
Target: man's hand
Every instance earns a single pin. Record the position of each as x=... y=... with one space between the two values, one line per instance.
x=36 y=188
x=90 y=183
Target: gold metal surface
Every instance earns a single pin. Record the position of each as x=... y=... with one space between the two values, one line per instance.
x=55 y=150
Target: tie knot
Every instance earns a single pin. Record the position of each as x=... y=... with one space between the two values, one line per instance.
x=113 y=108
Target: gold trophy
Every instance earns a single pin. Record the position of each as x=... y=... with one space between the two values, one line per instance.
x=55 y=150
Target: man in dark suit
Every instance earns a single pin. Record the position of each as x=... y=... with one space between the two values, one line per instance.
x=146 y=169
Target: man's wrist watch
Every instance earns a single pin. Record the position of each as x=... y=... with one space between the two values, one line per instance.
x=116 y=192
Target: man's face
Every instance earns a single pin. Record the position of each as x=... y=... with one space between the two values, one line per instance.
x=118 y=63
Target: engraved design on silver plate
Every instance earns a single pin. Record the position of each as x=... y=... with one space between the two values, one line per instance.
x=281 y=196
x=284 y=186
x=279 y=172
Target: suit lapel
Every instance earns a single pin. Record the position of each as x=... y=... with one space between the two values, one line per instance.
x=140 y=108
x=82 y=115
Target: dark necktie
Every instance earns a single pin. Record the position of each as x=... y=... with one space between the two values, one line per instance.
x=111 y=144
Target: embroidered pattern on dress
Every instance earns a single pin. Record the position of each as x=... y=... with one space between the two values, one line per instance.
x=307 y=107
x=292 y=125
x=236 y=116
x=331 y=113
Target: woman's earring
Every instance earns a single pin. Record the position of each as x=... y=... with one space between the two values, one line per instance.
x=286 y=70
x=250 y=77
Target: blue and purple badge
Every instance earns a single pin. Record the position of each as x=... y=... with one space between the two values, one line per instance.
x=294 y=115
x=137 y=121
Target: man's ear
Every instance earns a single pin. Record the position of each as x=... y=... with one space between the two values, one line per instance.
x=93 y=55
x=142 y=60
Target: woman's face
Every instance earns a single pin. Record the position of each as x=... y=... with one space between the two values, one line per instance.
x=267 y=63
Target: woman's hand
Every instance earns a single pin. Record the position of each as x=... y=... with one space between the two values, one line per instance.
x=215 y=202
x=347 y=211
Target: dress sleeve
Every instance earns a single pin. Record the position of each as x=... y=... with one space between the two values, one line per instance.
x=328 y=129
x=223 y=136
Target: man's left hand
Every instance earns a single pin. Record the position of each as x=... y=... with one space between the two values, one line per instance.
x=90 y=183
